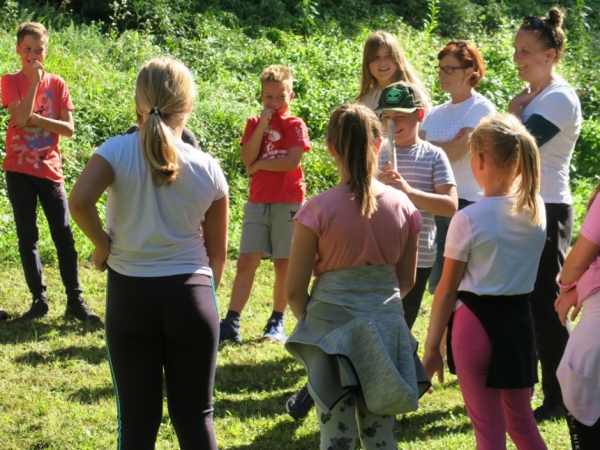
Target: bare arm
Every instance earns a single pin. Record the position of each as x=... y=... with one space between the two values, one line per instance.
x=21 y=111
x=251 y=148
x=291 y=161
x=406 y=267
x=95 y=178
x=302 y=261
x=578 y=260
x=443 y=202
x=214 y=232
x=458 y=147
x=64 y=126
x=441 y=310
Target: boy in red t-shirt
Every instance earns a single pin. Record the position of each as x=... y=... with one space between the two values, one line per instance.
x=40 y=112
x=272 y=148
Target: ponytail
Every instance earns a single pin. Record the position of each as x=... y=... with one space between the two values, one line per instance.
x=514 y=153
x=164 y=92
x=353 y=130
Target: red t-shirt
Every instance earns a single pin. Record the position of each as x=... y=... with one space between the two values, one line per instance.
x=33 y=150
x=284 y=132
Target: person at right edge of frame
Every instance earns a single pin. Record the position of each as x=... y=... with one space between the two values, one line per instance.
x=551 y=111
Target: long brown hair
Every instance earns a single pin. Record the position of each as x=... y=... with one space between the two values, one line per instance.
x=404 y=72
x=164 y=91
x=353 y=131
x=514 y=153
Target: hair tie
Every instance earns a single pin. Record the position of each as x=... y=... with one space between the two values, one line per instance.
x=156 y=111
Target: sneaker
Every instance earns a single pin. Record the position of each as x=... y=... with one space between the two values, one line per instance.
x=3 y=315
x=79 y=309
x=274 y=332
x=299 y=405
x=229 y=330
x=549 y=411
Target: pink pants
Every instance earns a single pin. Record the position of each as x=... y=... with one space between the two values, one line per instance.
x=493 y=412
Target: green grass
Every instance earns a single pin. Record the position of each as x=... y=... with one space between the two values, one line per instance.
x=56 y=389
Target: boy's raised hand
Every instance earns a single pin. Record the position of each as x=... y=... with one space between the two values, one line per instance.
x=265 y=117
x=35 y=64
x=394 y=179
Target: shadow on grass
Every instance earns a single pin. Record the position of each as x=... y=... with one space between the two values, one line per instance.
x=279 y=437
x=88 y=396
x=89 y=354
x=259 y=377
x=431 y=424
x=20 y=331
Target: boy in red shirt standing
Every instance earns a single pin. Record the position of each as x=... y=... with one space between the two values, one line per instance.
x=272 y=148
x=40 y=112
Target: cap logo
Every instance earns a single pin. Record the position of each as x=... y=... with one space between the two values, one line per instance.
x=394 y=95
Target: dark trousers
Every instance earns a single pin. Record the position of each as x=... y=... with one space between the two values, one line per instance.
x=550 y=336
x=23 y=193
x=158 y=323
x=582 y=436
x=412 y=302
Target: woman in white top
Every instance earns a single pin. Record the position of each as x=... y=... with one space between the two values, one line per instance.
x=449 y=126
x=165 y=249
x=551 y=111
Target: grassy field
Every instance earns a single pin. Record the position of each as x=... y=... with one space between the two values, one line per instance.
x=56 y=390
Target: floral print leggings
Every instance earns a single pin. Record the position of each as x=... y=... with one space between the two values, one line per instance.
x=349 y=416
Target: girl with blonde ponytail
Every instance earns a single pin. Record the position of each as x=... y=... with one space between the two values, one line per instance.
x=355 y=316
x=165 y=250
x=491 y=257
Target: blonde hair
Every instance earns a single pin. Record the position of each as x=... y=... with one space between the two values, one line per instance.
x=34 y=29
x=353 y=131
x=164 y=91
x=281 y=74
x=514 y=153
x=404 y=72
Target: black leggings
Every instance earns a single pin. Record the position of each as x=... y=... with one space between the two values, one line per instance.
x=582 y=436
x=412 y=302
x=158 y=323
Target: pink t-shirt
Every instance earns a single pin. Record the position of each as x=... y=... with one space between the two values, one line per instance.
x=284 y=132
x=348 y=239
x=590 y=280
x=33 y=150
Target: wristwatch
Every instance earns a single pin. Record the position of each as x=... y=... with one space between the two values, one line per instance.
x=567 y=287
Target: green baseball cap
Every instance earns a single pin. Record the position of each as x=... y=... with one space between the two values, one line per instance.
x=400 y=96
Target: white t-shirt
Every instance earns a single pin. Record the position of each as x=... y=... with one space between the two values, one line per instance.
x=156 y=231
x=559 y=104
x=502 y=250
x=444 y=122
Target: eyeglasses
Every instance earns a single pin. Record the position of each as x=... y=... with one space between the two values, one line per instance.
x=449 y=69
x=535 y=22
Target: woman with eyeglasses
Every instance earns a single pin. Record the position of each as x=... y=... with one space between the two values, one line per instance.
x=449 y=126
x=551 y=111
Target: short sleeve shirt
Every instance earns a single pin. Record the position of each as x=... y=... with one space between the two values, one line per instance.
x=559 y=104
x=335 y=218
x=424 y=167
x=444 y=122
x=33 y=150
x=590 y=229
x=284 y=132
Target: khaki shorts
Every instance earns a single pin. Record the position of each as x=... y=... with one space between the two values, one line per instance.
x=268 y=228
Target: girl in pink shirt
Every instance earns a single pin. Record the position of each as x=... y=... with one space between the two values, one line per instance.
x=579 y=369
x=360 y=240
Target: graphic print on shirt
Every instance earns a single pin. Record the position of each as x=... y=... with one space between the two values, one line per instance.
x=270 y=139
x=31 y=145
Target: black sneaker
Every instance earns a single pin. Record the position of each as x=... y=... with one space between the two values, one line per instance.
x=3 y=315
x=79 y=309
x=38 y=310
x=299 y=405
x=549 y=411
x=229 y=330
